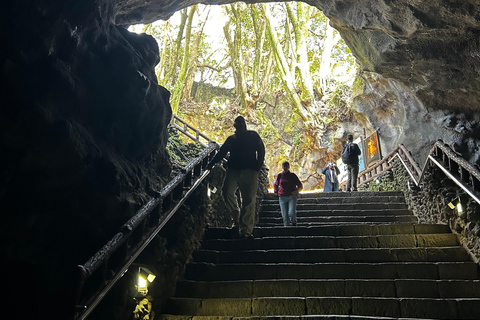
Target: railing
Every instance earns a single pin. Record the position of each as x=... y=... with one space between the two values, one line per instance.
x=115 y=257
x=386 y=164
x=190 y=131
x=460 y=171
x=463 y=173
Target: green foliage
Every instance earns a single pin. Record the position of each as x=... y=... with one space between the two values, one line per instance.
x=180 y=148
x=357 y=87
x=283 y=129
x=268 y=131
x=388 y=181
x=291 y=124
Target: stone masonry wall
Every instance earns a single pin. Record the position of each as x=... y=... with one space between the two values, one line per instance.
x=430 y=203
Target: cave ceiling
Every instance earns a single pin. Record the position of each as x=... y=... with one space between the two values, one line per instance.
x=433 y=47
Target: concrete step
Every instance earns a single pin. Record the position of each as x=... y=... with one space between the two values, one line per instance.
x=337 y=213
x=461 y=308
x=390 y=288
x=333 y=255
x=305 y=242
x=303 y=317
x=357 y=217
x=201 y=271
x=352 y=255
x=333 y=230
x=340 y=200
x=302 y=206
x=343 y=195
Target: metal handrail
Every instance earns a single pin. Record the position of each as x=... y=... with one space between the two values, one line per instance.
x=385 y=164
x=147 y=222
x=186 y=128
x=457 y=168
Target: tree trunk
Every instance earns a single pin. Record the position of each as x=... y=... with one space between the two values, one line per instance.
x=192 y=67
x=300 y=29
x=236 y=56
x=180 y=82
x=325 y=67
x=288 y=80
x=175 y=59
x=160 y=70
x=259 y=26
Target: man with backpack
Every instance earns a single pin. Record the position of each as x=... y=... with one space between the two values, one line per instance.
x=350 y=154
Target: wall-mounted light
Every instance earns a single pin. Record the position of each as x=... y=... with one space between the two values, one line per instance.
x=456 y=204
x=459 y=207
x=144 y=277
x=210 y=190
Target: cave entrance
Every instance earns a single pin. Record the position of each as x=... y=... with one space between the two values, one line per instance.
x=281 y=65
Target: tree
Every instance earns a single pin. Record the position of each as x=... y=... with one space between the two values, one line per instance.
x=271 y=50
x=259 y=26
x=287 y=77
x=160 y=69
x=300 y=23
x=236 y=13
x=192 y=67
x=174 y=57
x=331 y=38
x=180 y=81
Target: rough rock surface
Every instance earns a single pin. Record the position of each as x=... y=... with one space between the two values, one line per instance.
x=83 y=121
x=430 y=203
x=399 y=117
x=83 y=134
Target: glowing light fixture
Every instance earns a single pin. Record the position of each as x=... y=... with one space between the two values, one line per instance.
x=211 y=190
x=142 y=283
x=456 y=204
x=459 y=207
x=144 y=277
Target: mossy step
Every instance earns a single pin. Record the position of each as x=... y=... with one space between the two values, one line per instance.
x=459 y=308
x=304 y=242
x=341 y=270
x=400 y=288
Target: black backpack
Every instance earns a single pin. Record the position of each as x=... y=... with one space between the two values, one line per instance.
x=349 y=154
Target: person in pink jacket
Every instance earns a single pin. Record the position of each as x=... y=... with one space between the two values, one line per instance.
x=288 y=186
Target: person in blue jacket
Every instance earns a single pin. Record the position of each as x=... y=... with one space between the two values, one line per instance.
x=331 y=173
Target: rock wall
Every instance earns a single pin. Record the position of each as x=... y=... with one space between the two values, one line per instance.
x=399 y=117
x=82 y=133
x=430 y=203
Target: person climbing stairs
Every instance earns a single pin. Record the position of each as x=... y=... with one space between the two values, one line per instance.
x=356 y=255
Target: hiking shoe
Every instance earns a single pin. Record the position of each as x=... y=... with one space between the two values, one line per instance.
x=246 y=236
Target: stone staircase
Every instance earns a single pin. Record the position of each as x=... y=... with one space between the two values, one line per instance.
x=357 y=255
